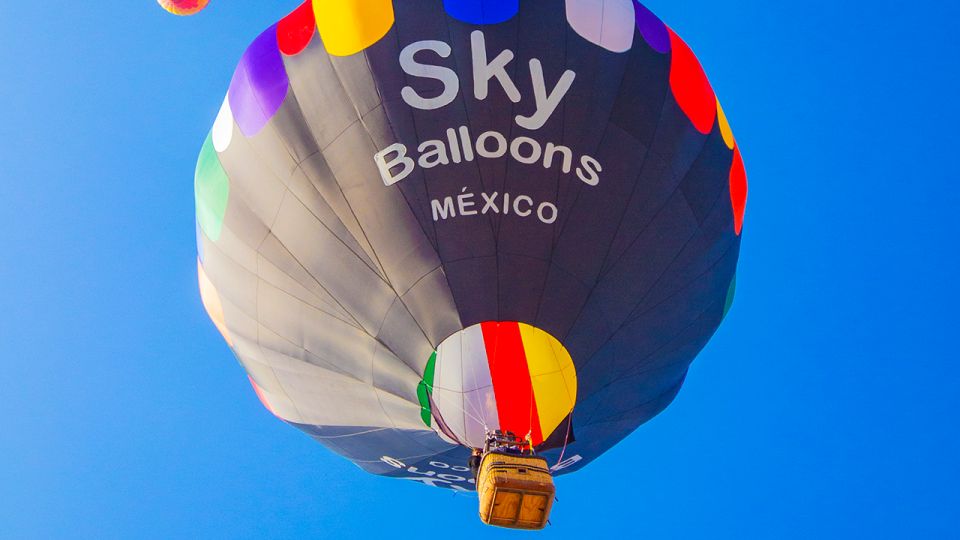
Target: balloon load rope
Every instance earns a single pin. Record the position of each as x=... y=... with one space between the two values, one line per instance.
x=566 y=438
x=479 y=420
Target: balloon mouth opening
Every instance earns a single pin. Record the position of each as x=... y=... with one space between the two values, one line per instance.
x=499 y=376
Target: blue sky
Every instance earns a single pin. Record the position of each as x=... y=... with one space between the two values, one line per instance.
x=827 y=405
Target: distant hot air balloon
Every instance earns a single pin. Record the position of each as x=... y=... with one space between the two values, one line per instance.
x=183 y=7
x=423 y=222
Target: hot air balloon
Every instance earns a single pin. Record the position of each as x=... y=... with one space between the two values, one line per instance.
x=427 y=227
x=183 y=7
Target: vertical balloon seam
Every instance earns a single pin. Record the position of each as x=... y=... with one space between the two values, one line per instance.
x=634 y=314
x=493 y=221
x=612 y=264
x=426 y=238
x=670 y=35
x=368 y=258
x=609 y=264
x=379 y=270
x=434 y=241
x=626 y=320
x=640 y=368
x=372 y=338
x=366 y=261
x=382 y=272
x=601 y=275
x=381 y=276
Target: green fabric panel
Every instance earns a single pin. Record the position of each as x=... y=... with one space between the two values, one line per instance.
x=425 y=388
x=211 y=189
x=731 y=292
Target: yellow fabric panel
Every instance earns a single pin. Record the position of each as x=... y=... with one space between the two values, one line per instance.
x=211 y=302
x=350 y=26
x=547 y=361
x=569 y=371
x=725 y=127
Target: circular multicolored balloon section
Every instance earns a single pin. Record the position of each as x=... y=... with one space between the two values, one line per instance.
x=183 y=7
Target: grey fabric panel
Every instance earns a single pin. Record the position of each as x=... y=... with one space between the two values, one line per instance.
x=317 y=170
x=235 y=282
x=333 y=265
x=278 y=266
x=594 y=218
x=625 y=285
x=403 y=335
x=324 y=102
x=432 y=306
x=304 y=189
x=391 y=228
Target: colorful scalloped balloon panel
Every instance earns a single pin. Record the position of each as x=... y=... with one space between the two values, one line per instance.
x=350 y=26
x=652 y=29
x=725 y=130
x=295 y=31
x=607 y=23
x=222 y=133
x=690 y=86
x=259 y=84
x=738 y=190
x=482 y=11
x=211 y=190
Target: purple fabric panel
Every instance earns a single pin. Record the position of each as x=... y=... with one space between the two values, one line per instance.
x=259 y=84
x=654 y=32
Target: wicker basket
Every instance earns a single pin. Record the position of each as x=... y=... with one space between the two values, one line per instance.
x=515 y=491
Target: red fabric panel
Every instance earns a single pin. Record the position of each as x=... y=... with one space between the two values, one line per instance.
x=690 y=86
x=295 y=31
x=511 y=380
x=738 y=190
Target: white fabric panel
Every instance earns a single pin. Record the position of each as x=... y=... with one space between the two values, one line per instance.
x=466 y=402
x=447 y=384
x=607 y=23
x=222 y=133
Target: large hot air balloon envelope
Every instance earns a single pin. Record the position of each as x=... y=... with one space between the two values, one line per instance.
x=422 y=221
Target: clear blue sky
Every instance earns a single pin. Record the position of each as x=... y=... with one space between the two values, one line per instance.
x=123 y=414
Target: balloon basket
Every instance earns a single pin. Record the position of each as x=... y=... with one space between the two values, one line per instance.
x=515 y=491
